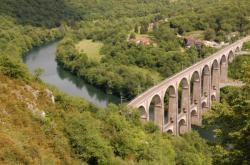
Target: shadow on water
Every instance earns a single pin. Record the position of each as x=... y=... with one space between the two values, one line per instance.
x=63 y=74
x=80 y=84
x=205 y=133
x=44 y=57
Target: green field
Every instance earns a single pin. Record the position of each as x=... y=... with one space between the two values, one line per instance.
x=198 y=34
x=92 y=49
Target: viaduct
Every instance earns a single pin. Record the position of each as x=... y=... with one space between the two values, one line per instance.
x=180 y=101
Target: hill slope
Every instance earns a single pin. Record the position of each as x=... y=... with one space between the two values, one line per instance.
x=34 y=130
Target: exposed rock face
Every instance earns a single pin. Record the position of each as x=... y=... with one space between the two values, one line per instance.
x=50 y=95
x=29 y=96
x=34 y=92
x=35 y=110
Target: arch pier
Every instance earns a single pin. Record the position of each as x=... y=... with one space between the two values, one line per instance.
x=180 y=101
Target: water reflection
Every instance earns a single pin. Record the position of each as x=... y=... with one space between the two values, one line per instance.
x=44 y=57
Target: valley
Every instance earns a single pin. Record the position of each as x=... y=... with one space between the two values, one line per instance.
x=66 y=65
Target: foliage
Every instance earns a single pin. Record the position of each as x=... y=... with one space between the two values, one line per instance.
x=16 y=40
x=37 y=73
x=126 y=80
x=209 y=34
x=40 y=12
x=74 y=132
x=13 y=68
x=91 y=147
x=190 y=151
x=246 y=46
x=221 y=16
x=240 y=68
x=230 y=118
x=125 y=67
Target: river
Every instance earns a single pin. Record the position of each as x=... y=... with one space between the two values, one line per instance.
x=44 y=57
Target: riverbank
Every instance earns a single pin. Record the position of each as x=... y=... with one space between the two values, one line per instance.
x=44 y=57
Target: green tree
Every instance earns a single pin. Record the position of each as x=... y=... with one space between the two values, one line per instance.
x=38 y=72
x=209 y=34
x=132 y=36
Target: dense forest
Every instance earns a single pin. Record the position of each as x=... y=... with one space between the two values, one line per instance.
x=128 y=68
x=37 y=130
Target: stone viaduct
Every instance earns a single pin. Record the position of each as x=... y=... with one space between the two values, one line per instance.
x=180 y=101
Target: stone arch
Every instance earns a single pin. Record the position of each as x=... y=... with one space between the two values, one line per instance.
x=183 y=96
x=195 y=88
x=194 y=117
x=215 y=78
x=182 y=127
x=170 y=102
x=205 y=79
x=204 y=107
x=143 y=113
x=237 y=49
x=155 y=110
x=223 y=69
x=213 y=98
x=230 y=57
x=170 y=131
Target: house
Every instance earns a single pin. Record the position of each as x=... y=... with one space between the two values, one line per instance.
x=189 y=41
x=142 y=41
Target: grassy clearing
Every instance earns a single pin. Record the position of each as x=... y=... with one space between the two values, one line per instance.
x=142 y=36
x=92 y=49
x=196 y=34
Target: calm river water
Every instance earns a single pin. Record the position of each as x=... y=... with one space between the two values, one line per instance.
x=44 y=57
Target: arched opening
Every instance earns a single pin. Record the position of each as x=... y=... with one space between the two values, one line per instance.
x=182 y=127
x=170 y=132
x=205 y=78
x=230 y=57
x=204 y=107
x=215 y=73
x=237 y=49
x=170 y=105
x=213 y=98
x=223 y=69
x=143 y=113
x=194 y=118
x=183 y=96
x=155 y=110
x=195 y=87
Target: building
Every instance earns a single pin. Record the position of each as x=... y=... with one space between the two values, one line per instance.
x=142 y=41
x=189 y=41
